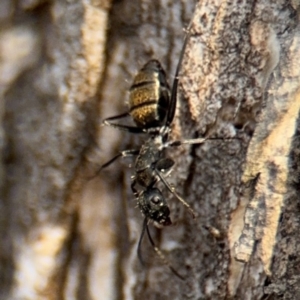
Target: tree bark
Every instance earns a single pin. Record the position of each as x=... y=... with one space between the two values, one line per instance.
x=66 y=234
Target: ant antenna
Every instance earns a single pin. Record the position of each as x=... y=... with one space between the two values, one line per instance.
x=161 y=255
x=156 y=249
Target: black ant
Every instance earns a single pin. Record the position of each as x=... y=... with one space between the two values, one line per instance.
x=152 y=108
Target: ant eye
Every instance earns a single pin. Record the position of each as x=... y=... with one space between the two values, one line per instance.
x=155 y=200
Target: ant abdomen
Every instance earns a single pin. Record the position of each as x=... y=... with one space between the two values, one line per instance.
x=149 y=97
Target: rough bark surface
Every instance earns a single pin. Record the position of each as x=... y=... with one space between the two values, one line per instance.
x=66 y=236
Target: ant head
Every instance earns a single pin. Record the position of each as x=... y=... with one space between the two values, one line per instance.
x=154 y=206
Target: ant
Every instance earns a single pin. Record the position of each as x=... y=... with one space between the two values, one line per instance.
x=152 y=107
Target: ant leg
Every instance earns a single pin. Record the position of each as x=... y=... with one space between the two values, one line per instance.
x=173 y=100
x=156 y=249
x=193 y=141
x=184 y=142
x=132 y=129
x=124 y=153
x=159 y=252
x=139 y=249
x=121 y=116
x=134 y=190
x=172 y=190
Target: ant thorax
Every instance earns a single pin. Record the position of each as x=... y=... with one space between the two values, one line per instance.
x=158 y=142
x=160 y=137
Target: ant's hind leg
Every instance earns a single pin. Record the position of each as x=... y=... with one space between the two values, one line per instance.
x=132 y=129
